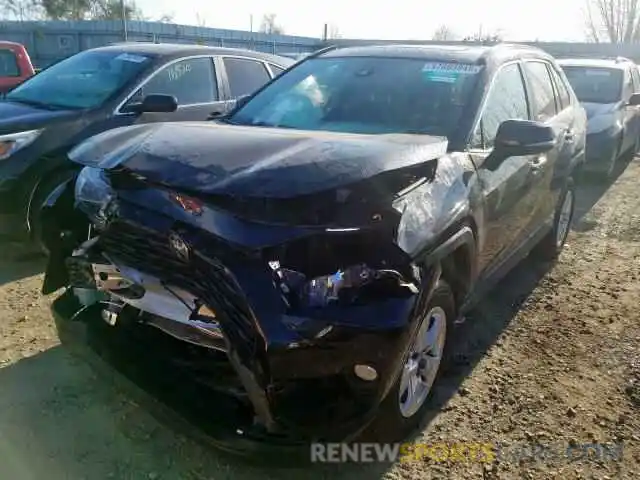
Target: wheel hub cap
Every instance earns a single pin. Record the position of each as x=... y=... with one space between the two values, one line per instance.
x=423 y=362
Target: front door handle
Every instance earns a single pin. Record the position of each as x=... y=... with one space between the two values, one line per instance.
x=569 y=136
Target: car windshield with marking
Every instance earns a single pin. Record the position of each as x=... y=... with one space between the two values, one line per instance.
x=83 y=81
x=595 y=84
x=365 y=95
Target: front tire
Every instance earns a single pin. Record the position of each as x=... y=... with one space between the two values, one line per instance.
x=40 y=194
x=551 y=245
x=404 y=408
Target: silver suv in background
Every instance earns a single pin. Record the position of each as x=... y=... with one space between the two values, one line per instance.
x=609 y=91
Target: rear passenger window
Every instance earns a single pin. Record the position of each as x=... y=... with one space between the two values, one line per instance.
x=507 y=100
x=543 y=101
x=635 y=79
x=245 y=76
x=561 y=86
x=628 y=87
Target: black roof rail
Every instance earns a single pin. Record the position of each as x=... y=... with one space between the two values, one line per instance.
x=317 y=53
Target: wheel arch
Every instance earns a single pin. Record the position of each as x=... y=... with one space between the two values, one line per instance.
x=457 y=256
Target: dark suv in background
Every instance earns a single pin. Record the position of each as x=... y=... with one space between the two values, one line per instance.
x=318 y=243
x=609 y=91
x=103 y=88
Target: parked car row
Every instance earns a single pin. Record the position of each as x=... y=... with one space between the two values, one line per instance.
x=95 y=90
x=609 y=91
x=309 y=250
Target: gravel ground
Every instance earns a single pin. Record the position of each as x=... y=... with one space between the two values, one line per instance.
x=552 y=357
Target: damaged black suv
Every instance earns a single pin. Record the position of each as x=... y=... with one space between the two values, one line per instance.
x=320 y=241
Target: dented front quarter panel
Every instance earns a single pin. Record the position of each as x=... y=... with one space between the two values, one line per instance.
x=436 y=210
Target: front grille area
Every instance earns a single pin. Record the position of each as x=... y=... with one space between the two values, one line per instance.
x=206 y=278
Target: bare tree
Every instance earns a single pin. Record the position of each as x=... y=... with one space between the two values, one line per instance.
x=615 y=21
x=333 y=32
x=484 y=37
x=201 y=21
x=444 y=34
x=166 y=18
x=269 y=24
x=21 y=10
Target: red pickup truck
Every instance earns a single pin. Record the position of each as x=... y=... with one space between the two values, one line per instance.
x=15 y=65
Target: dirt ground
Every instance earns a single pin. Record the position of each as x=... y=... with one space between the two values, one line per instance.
x=551 y=357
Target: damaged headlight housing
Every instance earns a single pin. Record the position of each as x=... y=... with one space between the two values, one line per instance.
x=93 y=195
x=11 y=143
x=344 y=286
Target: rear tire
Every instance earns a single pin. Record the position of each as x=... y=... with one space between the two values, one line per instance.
x=614 y=160
x=551 y=245
x=398 y=417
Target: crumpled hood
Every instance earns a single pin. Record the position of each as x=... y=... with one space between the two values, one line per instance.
x=213 y=158
x=15 y=117
x=595 y=109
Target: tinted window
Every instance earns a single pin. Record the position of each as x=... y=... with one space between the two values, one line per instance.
x=276 y=69
x=543 y=99
x=595 y=84
x=561 y=86
x=190 y=81
x=628 y=85
x=507 y=100
x=8 y=64
x=365 y=95
x=245 y=76
x=84 y=80
x=635 y=78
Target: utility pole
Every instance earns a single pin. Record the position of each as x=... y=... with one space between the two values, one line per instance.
x=251 y=23
x=124 y=20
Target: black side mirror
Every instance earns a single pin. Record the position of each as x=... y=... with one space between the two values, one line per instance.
x=523 y=137
x=634 y=100
x=154 y=103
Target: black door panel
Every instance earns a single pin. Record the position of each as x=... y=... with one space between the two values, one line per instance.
x=507 y=183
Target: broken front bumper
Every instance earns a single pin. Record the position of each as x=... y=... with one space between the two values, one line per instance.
x=297 y=369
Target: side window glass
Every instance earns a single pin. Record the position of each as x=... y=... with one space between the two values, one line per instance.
x=628 y=86
x=635 y=79
x=245 y=76
x=507 y=100
x=543 y=101
x=561 y=88
x=8 y=64
x=190 y=81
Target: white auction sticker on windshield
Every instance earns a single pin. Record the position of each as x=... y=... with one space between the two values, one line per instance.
x=128 y=57
x=451 y=68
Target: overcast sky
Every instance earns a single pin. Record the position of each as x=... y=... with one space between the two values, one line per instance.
x=561 y=20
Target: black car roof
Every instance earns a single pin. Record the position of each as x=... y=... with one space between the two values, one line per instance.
x=184 y=50
x=477 y=54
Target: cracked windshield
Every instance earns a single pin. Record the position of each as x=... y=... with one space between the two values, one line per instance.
x=325 y=240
